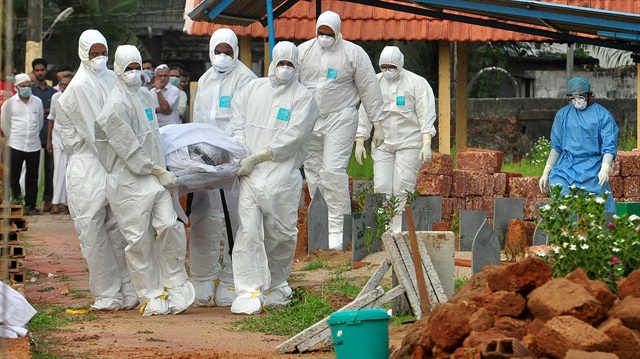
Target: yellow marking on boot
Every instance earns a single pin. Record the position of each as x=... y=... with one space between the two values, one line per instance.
x=254 y=294
x=216 y=282
x=161 y=296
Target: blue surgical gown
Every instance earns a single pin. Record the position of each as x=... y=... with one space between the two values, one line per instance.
x=582 y=138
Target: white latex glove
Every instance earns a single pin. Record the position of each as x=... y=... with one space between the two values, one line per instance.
x=378 y=134
x=603 y=176
x=425 y=152
x=247 y=163
x=551 y=161
x=166 y=178
x=360 y=150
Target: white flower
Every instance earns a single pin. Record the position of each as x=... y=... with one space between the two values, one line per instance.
x=546 y=207
x=599 y=200
x=573 y=247
x=633 y=217
x=561 y=256
x=541 y=254
x=615 y=216
x=572 y=186
x=564 y=234
x=582 y=238
x=607 y=192
x=562 y=207
x=565 y=244
x=584 y=246
x=556 y=250
x=615 y=249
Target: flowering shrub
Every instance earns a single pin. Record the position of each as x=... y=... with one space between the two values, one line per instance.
x=540 y=152
x=583 y=236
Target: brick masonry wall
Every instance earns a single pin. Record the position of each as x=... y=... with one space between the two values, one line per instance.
x=478 y=180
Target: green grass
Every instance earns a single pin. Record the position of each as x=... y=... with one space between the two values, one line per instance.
x=525 y=167
x=316 y=264
x=364 y=171
x=340 y=284
x=459 y=282
x=398 y=320
x=306 y=309
x=48 y=320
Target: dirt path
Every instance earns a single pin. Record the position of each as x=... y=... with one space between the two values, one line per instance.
x=59 y=276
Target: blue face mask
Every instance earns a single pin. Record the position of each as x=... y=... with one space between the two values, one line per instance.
x=24 y=91
x=175 y=81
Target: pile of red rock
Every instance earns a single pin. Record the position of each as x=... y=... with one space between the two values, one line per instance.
x=520 y=311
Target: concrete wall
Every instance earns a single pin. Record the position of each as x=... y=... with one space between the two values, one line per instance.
x=512 y=125
x=620 y=83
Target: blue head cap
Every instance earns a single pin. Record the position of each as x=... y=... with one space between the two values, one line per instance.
x=578 y=85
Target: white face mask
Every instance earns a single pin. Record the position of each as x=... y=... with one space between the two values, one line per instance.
x=390 y=74
x=580 y=103
x=98 y=64
x=325 y=41
x=132 y=78
x=222 y=62
x=285 y=73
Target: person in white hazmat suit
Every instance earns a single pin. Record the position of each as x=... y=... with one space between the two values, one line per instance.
x=340 y=75
x=273 y=117
x=130 y=150
x=212 y=105
x=409 y=117
x=101 y=241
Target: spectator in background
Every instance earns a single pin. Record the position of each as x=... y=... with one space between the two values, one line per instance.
x=21 y=122
x=55 y=147
x=175 y=73
x=61 y=71
x=166 y=96
x=148 y=70
x=44 y=92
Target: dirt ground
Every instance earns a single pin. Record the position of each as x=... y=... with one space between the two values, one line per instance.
x=58 y=275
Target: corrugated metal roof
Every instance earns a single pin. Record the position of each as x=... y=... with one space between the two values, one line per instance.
x=240 y=13
x=368 y=23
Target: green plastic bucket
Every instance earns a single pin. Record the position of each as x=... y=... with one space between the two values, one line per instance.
x=360 y=334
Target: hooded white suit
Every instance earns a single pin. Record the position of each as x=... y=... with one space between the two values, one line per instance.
x=101 y=241
x=409 y=112
x=275 y=118
x=129 y=147
x=213 y=106
x=340 y=77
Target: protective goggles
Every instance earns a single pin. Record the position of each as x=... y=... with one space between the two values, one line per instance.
x=582 y=96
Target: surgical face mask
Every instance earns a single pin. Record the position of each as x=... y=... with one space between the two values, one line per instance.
x=175 y=81
x=390 y=74
x=285 y=73
x=132 y=78
x=580 y=103
x=98 y=64
x=325 y=41
x=222 y=62
x=24 y=91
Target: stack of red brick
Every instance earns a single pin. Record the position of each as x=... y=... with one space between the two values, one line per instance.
x=625 y=176
x=476 y=182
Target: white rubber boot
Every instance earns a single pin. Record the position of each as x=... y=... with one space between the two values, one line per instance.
x=181 y=297
x=248 y=303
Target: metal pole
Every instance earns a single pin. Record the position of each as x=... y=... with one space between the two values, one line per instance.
x=272 y=36
x=318 y=8
x=570 y=61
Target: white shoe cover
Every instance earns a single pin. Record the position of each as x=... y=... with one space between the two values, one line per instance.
x=225 y=294
x=108 y=304
x=335 y=241
x=279 y=296
x=204 y=292
x=248 y=303
x=181 y=297
x=156 y=306
x=129 y=295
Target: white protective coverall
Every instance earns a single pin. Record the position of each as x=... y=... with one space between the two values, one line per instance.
x=409 y=117
x=340 y=77
x=274 y=120
x=212 y=105
x=101 y=241
x=129 y=147
x=60 y=157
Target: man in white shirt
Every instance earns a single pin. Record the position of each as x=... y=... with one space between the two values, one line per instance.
x=21 y=123
x=167 y=96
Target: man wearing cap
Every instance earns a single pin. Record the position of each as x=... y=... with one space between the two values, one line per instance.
x=167 y=97
x=584 y=141
x=21 y=123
